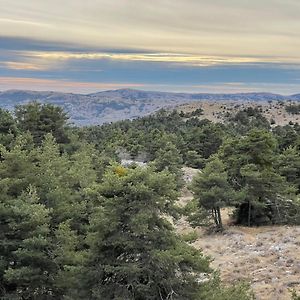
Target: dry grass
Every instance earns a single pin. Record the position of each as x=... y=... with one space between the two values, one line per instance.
x=216 y=111
x=268 y=257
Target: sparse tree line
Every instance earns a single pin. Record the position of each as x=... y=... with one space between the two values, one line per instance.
x=75 y=224
x=293 y=109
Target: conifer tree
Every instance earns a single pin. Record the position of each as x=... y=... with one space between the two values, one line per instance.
x=168 y=158
x=288 y=165
x=212 y=191
x=27 y=246
x=40 y=119
x=263 y=193
x=8 y=128
x=134 y=253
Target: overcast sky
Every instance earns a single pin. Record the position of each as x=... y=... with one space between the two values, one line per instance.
x=175 y=45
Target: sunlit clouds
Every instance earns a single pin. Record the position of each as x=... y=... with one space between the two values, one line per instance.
x=12 y=83
x=217 y=27
x=43 y=60
x=192 y=60
x=15 y=65
x=160 y=44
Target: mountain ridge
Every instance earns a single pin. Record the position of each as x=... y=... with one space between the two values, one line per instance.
x=113 y=105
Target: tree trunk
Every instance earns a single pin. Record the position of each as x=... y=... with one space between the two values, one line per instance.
x=249 y=213
x=220 y=219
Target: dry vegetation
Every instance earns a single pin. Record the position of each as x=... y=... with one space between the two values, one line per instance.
x=217 y=111
x=268 y=257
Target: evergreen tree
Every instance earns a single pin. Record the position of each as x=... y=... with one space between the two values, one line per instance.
x=264 y=196
x=212 y=191
x=8 y=128
x=40 y=119
x=168 y=158
x=288 y=165
x=204 y=139
x=286 y=136
x=248 y=119
x=134 y=252
x=250 y=165
x=194 y=160
x=26 y=244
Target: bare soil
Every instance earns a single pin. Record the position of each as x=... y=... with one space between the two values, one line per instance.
x=267 y=257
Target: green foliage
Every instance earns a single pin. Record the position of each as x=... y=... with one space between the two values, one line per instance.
x=288 y=165
x=211 y=189
x=149 y=134
x=293 y=109
x=263 y=193
x=8 y=128
x=294 y=295
x=286 y=136
x=40 y=119
x=194 y=160
x=248 y=119
x=218 y=291
x=134 y=252
x=25 y=247
x=33 y=261
x=195 y=113
x=205 y=139
x=168 y=158
x=75 y=224
x=190 y=237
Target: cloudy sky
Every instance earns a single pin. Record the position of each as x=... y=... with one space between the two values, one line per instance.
x=171 y=45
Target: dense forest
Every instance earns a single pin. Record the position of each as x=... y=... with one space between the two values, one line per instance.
x=78 y=223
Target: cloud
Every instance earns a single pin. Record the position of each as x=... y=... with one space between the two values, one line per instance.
x=15 y=65
x=89 y=87
x=160 y=44
x=29 y=83
x=13 y=22
x=42 y=60
x=217 y=27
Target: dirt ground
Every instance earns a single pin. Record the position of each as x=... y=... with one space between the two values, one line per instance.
x=267 y=257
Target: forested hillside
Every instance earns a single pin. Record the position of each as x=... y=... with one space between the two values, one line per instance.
x=88 y=213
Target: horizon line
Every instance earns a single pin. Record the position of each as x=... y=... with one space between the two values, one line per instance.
x=150 y=91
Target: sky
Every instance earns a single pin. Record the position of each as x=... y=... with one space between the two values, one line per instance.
x=213 y=46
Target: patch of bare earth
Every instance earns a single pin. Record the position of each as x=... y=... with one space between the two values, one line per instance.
x=267 y=257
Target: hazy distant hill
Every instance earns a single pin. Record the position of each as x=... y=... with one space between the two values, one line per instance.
x=110 y=106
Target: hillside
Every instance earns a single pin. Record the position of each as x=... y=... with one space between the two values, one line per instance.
x=220 y=111
x=266 y=256
x=72 y=193
x=110 y=106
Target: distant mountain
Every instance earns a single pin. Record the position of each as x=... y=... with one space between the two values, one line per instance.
x=110 y=106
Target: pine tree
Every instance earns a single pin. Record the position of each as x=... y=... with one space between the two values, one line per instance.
x=40 y=119
x=265 y=196
x=8 y=128
x=211 y=190
x=288 y=165
x=134 y=253
x=168 y=158
x=29 y=267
